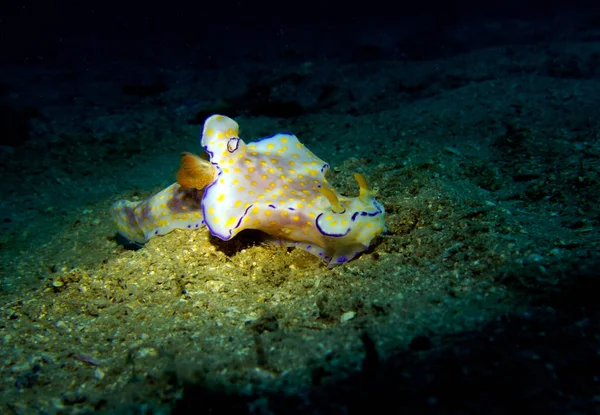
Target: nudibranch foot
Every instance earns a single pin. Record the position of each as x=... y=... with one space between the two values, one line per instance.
x=330 y=256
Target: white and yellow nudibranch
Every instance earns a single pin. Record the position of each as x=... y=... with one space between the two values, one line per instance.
x=275 y=185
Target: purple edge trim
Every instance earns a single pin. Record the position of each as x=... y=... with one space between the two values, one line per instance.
x=362 y=213
x=206 y=192
x=241 y=218
x=335 y=235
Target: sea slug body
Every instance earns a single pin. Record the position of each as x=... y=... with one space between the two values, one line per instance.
x=274 y=184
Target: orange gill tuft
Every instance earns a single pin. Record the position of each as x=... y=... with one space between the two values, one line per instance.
x=195 y=172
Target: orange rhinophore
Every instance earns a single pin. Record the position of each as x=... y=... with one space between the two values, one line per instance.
x=194 y=172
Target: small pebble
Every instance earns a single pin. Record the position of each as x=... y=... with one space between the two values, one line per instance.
x=98 y=374
x=347 y=316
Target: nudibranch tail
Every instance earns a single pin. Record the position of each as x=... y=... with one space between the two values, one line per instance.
x=172 y=208
x=195 y=173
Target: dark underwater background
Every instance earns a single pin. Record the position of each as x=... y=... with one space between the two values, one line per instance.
x=476 y=124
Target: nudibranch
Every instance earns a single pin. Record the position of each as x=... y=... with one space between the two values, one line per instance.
x=274 y=184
